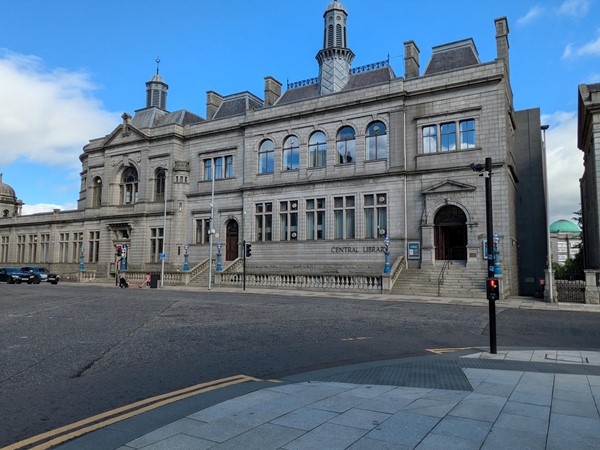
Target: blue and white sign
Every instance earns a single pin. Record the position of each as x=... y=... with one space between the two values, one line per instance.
x=163 y=256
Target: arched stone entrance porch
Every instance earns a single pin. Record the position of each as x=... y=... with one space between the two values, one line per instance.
x=232 y=240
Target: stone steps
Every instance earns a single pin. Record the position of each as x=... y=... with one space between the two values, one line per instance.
x=458 y=282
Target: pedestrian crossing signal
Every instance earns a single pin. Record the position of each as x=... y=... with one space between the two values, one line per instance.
x=493 y=289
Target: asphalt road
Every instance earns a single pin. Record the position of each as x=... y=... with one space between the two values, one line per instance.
x=72 y=351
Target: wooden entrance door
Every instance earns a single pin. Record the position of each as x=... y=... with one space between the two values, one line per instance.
x=450 y=234
x=232 y=241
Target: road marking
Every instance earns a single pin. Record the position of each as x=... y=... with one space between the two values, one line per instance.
x=96 y=422
x=441 y=351
x=360 y=338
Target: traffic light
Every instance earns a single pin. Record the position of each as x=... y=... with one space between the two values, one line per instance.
x=493 y=289
x=119 y=250
x=248 y=249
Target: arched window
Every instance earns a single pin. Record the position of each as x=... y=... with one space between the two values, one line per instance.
x=266 y=157
x=345 y=145
x=159 y=185
x=317 y=150
x=129 y=186
x=377 y=141
x=291 y=153
x=97 y=193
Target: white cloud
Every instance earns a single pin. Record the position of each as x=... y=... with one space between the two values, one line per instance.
x=46 y=116
x=531 y=15
x=591 y=48
x=46 y=207
x=574 y=8
x=564 y=164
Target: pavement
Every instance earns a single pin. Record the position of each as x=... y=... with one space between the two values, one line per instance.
x=468 y=398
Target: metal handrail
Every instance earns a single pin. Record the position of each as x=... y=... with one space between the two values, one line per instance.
x=442 y=274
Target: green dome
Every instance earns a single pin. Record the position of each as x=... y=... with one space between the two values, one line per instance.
x=564 y=226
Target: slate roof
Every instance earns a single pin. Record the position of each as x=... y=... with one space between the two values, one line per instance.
x=153 y=117
x=237 y=104
x=357 y=81
x=452 y=56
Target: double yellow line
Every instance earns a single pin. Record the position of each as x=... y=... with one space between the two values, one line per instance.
x=74 y=430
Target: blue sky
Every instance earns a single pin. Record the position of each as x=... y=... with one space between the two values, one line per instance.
x=70 y=68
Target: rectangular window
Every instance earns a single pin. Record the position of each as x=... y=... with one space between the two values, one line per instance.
x=21 y=248
x=93 y=246
x=156 y=244
x=223 y=167
x=288 y=220
x=4 y=241
x=448 y=136
x=315 y=219
x=63 y=248
x=430 y=139
x=467 y=133
x=264 y=221
x=375 y=216
x=32 y=248
x=228 y=166
x=343 y=215
x=44 y=247
x=202 y=231
x=77 y=243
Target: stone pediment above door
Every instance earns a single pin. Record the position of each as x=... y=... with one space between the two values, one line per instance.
x=449 y=187
x=124 y=133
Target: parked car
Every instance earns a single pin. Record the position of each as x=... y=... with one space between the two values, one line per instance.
x=41 y=274
x=12 y=275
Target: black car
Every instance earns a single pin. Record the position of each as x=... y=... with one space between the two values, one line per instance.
x=12 y=275
x=41 y=274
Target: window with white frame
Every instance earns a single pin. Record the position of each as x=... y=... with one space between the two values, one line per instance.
x=375 y=208
x=263 y=217
x=343 y=217
x=467 y=133
x=377 y=141
x=288 y=220
x=129 y=186
x=315 y=219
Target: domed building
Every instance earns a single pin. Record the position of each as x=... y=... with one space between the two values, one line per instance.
x=10 y=206
x=565 y=240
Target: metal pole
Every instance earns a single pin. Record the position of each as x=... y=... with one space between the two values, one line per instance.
x=244 y=276
x=164 y=240
x=547 y=206
x=490 y=243
x=211 y=230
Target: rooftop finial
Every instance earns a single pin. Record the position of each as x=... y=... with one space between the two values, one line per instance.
x=157 y=63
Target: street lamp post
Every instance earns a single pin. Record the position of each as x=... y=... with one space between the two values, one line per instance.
x=386 y=251
x=163 y=256
x=219 y=245
x=548 y=244
x=186 y=265
x=211 y=230
x=81 y=253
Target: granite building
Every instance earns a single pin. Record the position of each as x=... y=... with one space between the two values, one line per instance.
x=315 y=175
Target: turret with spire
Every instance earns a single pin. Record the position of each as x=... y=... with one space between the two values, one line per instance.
x=156 y=90
x=335 y=59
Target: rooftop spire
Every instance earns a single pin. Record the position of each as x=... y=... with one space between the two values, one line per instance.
x=156 y=90
x=157 y=63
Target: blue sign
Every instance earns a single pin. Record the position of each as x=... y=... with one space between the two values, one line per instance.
x=163 y=256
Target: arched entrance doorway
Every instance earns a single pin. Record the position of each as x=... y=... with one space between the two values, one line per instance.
x=232 y=241
x=450 y=233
